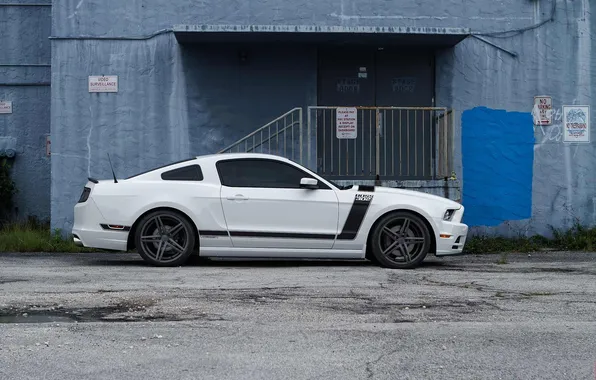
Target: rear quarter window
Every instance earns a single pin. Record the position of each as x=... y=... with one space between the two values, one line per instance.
x=186 y=173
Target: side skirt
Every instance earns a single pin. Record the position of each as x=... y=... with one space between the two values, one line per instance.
x=281 y=253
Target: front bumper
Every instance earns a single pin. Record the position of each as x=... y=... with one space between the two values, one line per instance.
x=452 y=235
x=452 y=239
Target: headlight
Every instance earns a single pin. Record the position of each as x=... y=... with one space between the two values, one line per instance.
x=449 y=214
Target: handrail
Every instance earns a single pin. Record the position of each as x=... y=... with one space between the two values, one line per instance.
x=262 y=128
x=272 y=136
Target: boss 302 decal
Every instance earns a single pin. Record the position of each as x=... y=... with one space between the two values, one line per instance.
x=364 y=197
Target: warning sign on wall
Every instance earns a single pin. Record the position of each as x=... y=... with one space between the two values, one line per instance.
x=5 y=107
x=576 y=124
x=346 y=123
x=103 y=83
x=543 y=110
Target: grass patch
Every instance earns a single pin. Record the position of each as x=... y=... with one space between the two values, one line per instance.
x=578 y=238
x=35 y=237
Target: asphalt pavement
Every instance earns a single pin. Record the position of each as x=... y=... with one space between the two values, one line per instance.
x=110 y=316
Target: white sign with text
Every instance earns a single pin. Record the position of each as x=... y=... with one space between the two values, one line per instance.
x=346 y=123
x=5 y=106
x=576 y=124
x=102 y=83
x=543 y=106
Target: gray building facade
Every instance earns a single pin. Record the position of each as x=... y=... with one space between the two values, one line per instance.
x=196 y=76
x=25 y=58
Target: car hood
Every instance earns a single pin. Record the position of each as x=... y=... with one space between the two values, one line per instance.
x=413 y=193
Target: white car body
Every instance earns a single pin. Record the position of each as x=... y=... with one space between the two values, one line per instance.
x=259 y=221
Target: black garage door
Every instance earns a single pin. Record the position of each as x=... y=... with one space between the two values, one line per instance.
x=370 y=77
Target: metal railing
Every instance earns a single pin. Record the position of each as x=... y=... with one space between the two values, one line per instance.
x=445 y=144
x=282 y=136
x=381 y=142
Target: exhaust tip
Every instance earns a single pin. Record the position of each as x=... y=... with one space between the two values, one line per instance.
x=77 y=241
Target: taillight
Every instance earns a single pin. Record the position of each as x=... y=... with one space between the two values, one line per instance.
x=85 y=195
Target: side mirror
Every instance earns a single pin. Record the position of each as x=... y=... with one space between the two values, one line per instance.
x=309 y=183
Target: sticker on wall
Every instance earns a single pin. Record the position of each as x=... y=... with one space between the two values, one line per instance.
x=543 y=110
x=346 y=123
x=576 y=124
x=5 y=106
x=103 y=83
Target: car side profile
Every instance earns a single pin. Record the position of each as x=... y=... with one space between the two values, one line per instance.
x=262 y=206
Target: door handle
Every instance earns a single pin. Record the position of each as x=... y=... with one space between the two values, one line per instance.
x=237 y=197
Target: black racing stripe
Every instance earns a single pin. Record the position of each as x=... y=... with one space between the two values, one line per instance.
x=367 y=188
x=354 y=220
x=283 y=235
x=213 y=233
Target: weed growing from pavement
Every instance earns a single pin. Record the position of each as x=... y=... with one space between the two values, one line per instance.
x=33 y=236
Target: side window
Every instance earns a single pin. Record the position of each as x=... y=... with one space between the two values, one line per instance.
x=187 y=173
x=260 y=173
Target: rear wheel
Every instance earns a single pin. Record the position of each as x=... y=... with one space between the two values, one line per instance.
x=400 y=240
x=165 y=238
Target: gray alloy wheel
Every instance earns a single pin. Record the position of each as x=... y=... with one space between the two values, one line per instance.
x=400 y=240
x=165 y=238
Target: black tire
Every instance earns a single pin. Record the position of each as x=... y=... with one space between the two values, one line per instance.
x=165 y=238
x=389 y=241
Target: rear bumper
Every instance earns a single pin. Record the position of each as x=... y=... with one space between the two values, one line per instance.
x=451 y=239
x=88 y=232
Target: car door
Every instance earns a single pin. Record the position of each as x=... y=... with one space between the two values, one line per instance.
x=265 y=206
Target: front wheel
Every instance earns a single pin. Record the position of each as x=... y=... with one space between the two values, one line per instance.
x=400 y=240
x=165 y=238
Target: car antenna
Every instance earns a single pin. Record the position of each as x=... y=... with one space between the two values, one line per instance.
x=114 y=174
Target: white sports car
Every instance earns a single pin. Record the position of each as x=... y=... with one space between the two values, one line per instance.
x=262 y=206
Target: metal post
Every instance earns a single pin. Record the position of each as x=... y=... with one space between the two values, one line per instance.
x=378 y=149
x=452 y=142
x=300 y=138
x=309 y=137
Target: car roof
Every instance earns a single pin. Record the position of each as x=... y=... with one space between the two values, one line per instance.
x=219 y=156
x=235 y=156
x=209 y=158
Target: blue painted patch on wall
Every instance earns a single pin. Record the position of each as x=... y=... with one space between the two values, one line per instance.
x=498 y=159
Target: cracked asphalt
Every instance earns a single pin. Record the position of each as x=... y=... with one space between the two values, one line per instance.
x=100 y=316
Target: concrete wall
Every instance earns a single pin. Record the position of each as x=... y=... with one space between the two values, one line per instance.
x=228 y=98
x=172 y=102
x=555 y=59
x=24 y=79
